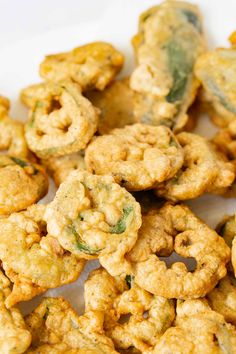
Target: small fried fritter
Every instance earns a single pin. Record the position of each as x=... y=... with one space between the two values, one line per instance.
x=14 y=337
x=176 y=228
x=60 y=167
x=12 y=136
x=168 y=42
x=62 y=122
x=22 y=184
x=217 y=72
x=149 y=315
x=55 y=324
x=222 y=298
x=92 y=65
x=138 y=156
x=33 y=260
x=198 y=330
x=116 y=104
x=93 y=217
x=204 y=170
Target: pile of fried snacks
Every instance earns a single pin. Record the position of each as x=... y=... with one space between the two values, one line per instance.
x=124 y=158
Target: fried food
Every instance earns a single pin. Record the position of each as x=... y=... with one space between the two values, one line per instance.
x=61 y=123
x=60 y=167
x=138 y=156
x=116 y=104
x=92 y=66
x=176 y=228
x=225 y=140
x=217 y=72
x=14 y=337
x=55 y=324
x=204 y=170
x=222 y=298
x=198 y=330
x=168 y=42
x=150 y=315
x=22 y=183
x=12 y=136
x=93 y=217
x=32 y=259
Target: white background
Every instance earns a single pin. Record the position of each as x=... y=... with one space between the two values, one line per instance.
x=21 y=19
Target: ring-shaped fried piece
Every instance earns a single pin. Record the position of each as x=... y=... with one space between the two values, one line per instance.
x=93 y=217
x=12 y=136
x=61 y=123
x=216 y=71
x=204 y=170
x=32 y=259
x=169 y=40
x=14 y=336
x=138 y=156
x=92 y=65
x=222 y=298
x=149 y=315
x=191 y=239
x=54 y=324
x=198 y=330
x=22 y=184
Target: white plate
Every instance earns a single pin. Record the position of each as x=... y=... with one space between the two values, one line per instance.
x=19 y=68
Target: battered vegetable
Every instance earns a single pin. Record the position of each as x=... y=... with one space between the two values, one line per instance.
x=92 y=65
x=14 y=337
x=32 y=259
x=116 y=104
x=138 y=156
x=55 y=325
x=168 y=42
x=198 y=330
x=61 y=123
x=177 y=229
x=204 y=170
x=149 y=317
x=22 y=184
x=93 y=217
x=217 y=72
x=12 y=136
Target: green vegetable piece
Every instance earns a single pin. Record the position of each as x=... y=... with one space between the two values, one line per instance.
x=193 y=19
x=19 y=162
x=129 y=279
x=81 y=246
x=219 y=94
x=120 y=227
x=180 y=67
x=46 y=314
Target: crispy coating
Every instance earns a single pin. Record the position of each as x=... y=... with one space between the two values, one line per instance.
x=62 y=122
x=177 y=229
x=22 y=183
x=14 y=337
x=204 y=170
x=56 y=325
x=93 y=217
x=222 y=298
x=225 y=139
x=150 y=315
x=116 y=104
x=92 y=65
x=233 y=255
x=138 y=156
x=33 y=260
x=11 y=132
x=198 y=330
x=166 y=47
x=217 y=72
x=60 y=167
